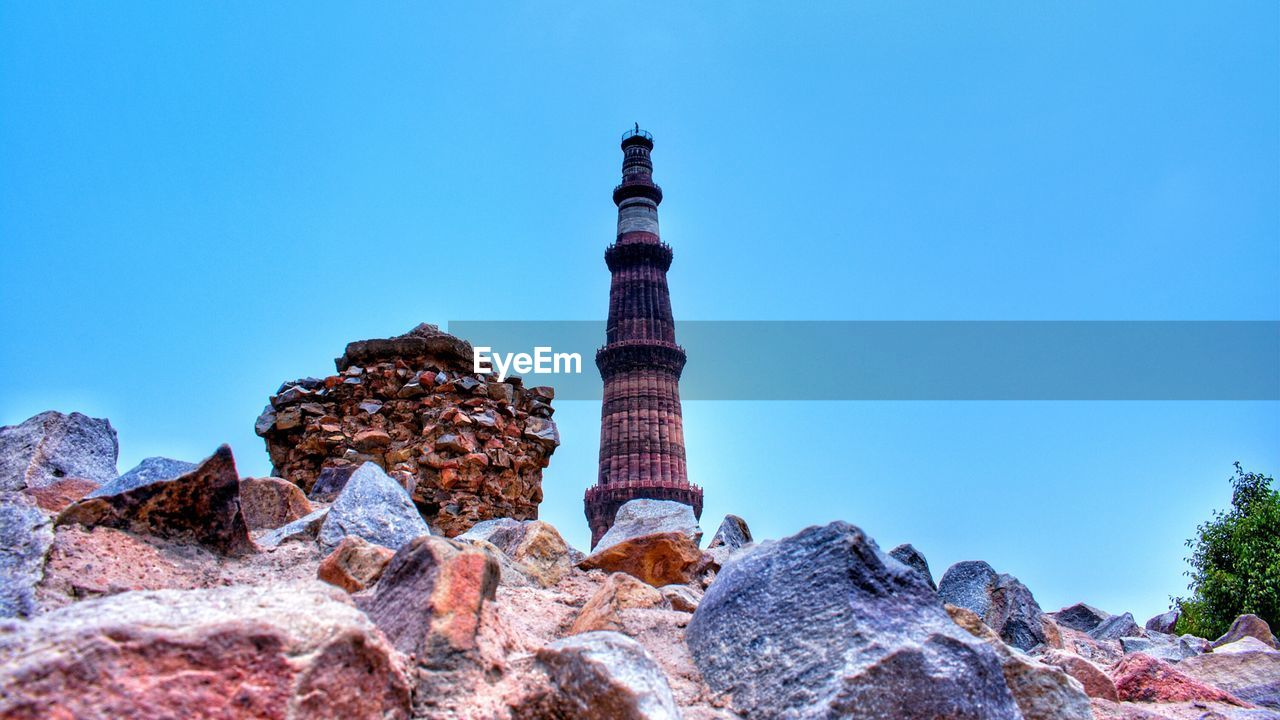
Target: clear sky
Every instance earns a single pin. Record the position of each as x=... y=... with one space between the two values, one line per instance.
x=200 y=200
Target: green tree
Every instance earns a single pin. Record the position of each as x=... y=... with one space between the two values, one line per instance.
x=1235 y=561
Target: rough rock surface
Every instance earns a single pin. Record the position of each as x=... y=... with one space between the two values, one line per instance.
x=374 y=507
x=821 y=625
x=25 y=536
x=1247 y=626
x=1116 y=627
x=619 y=592
x=908 y=555
x=239 y=652
x=202 y=506
x=306 y=527
x=733 y=533
x=1144 y=678
x=355 y=564
x=653 y=540
x=1080 y=617
x=1169 y=648
x=1042 y=691
x=1003 y=603
x=150 y=470
x=1247 y=668
x=1096 y=683
x=429 y=599
x=1165 y=622
x=468 y=447
x=268 y=503
x=52 y=446
x=59 y=494
x=601 y=675
x=536 y=548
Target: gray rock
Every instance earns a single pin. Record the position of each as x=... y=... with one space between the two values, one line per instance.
x=330 y=482
x=1247 y=625
x=605 y=675
x=25 y=536
x=51 y=446
x=1080 y=617
x=908 y=555
x=374 y=507
x=638 y=518
x=1001 y=600
x=733 y=534
x=1169 y=648
x=502 y=532
x=1164 y=622
x=823 y=625
x=304 y=528
x=1116 y=627
x=265 y=421
x=680 y=597
x=1247 y=668
x=151 y=470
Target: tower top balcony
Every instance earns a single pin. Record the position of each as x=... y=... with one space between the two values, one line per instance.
x=636 y=136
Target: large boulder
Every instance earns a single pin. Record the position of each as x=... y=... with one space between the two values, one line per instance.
x=1042 y=691
x=653 y=540
x=1002 y=601
x=51 y=446
x=1247 y=668
x=618 y=592
x=536 y=547
x=1080 y=617
x=242 y=652
x=1244 y=626
x=908 y=555
x=202 y=506
x=268 y=503
x=822 y=624
x=1116 y=627
x=429 y=599
x=1142 y=678
x=150 y=470
x=374 y=507
x=600 y=675
x=25 y=536
x=430 y=603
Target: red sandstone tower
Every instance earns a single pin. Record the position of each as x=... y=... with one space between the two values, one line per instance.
x=641 y=431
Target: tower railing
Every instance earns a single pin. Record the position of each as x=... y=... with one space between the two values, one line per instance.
x=637 y=132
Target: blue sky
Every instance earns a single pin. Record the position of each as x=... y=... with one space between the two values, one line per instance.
x=198 y=201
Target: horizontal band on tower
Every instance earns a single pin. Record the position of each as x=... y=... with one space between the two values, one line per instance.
x=640 y=355
x=622 y=255
x=644 y=190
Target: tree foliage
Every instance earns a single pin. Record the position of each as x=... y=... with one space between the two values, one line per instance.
x=1235 y=561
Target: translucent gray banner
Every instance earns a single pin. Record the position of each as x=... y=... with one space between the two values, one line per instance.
x=924 y=360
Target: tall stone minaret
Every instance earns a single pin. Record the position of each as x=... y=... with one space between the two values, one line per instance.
x=641 y=431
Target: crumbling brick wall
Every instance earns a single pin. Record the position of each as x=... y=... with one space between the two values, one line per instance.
x=467 y=447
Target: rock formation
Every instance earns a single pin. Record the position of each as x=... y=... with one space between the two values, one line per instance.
x=1001 y=600
x=152 y=597
x=467 y=447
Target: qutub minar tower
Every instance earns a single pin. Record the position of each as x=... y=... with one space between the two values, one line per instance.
x=641 y=431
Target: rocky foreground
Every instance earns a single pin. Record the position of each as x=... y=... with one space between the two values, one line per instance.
x=182 y=590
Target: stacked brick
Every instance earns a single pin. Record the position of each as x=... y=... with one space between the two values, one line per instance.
x=642 y=453
x=466 y=446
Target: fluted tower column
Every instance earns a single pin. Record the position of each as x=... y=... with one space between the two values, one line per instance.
x=641 y=430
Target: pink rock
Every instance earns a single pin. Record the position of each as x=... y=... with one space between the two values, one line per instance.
x=254 y=653
x=1144 y=678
